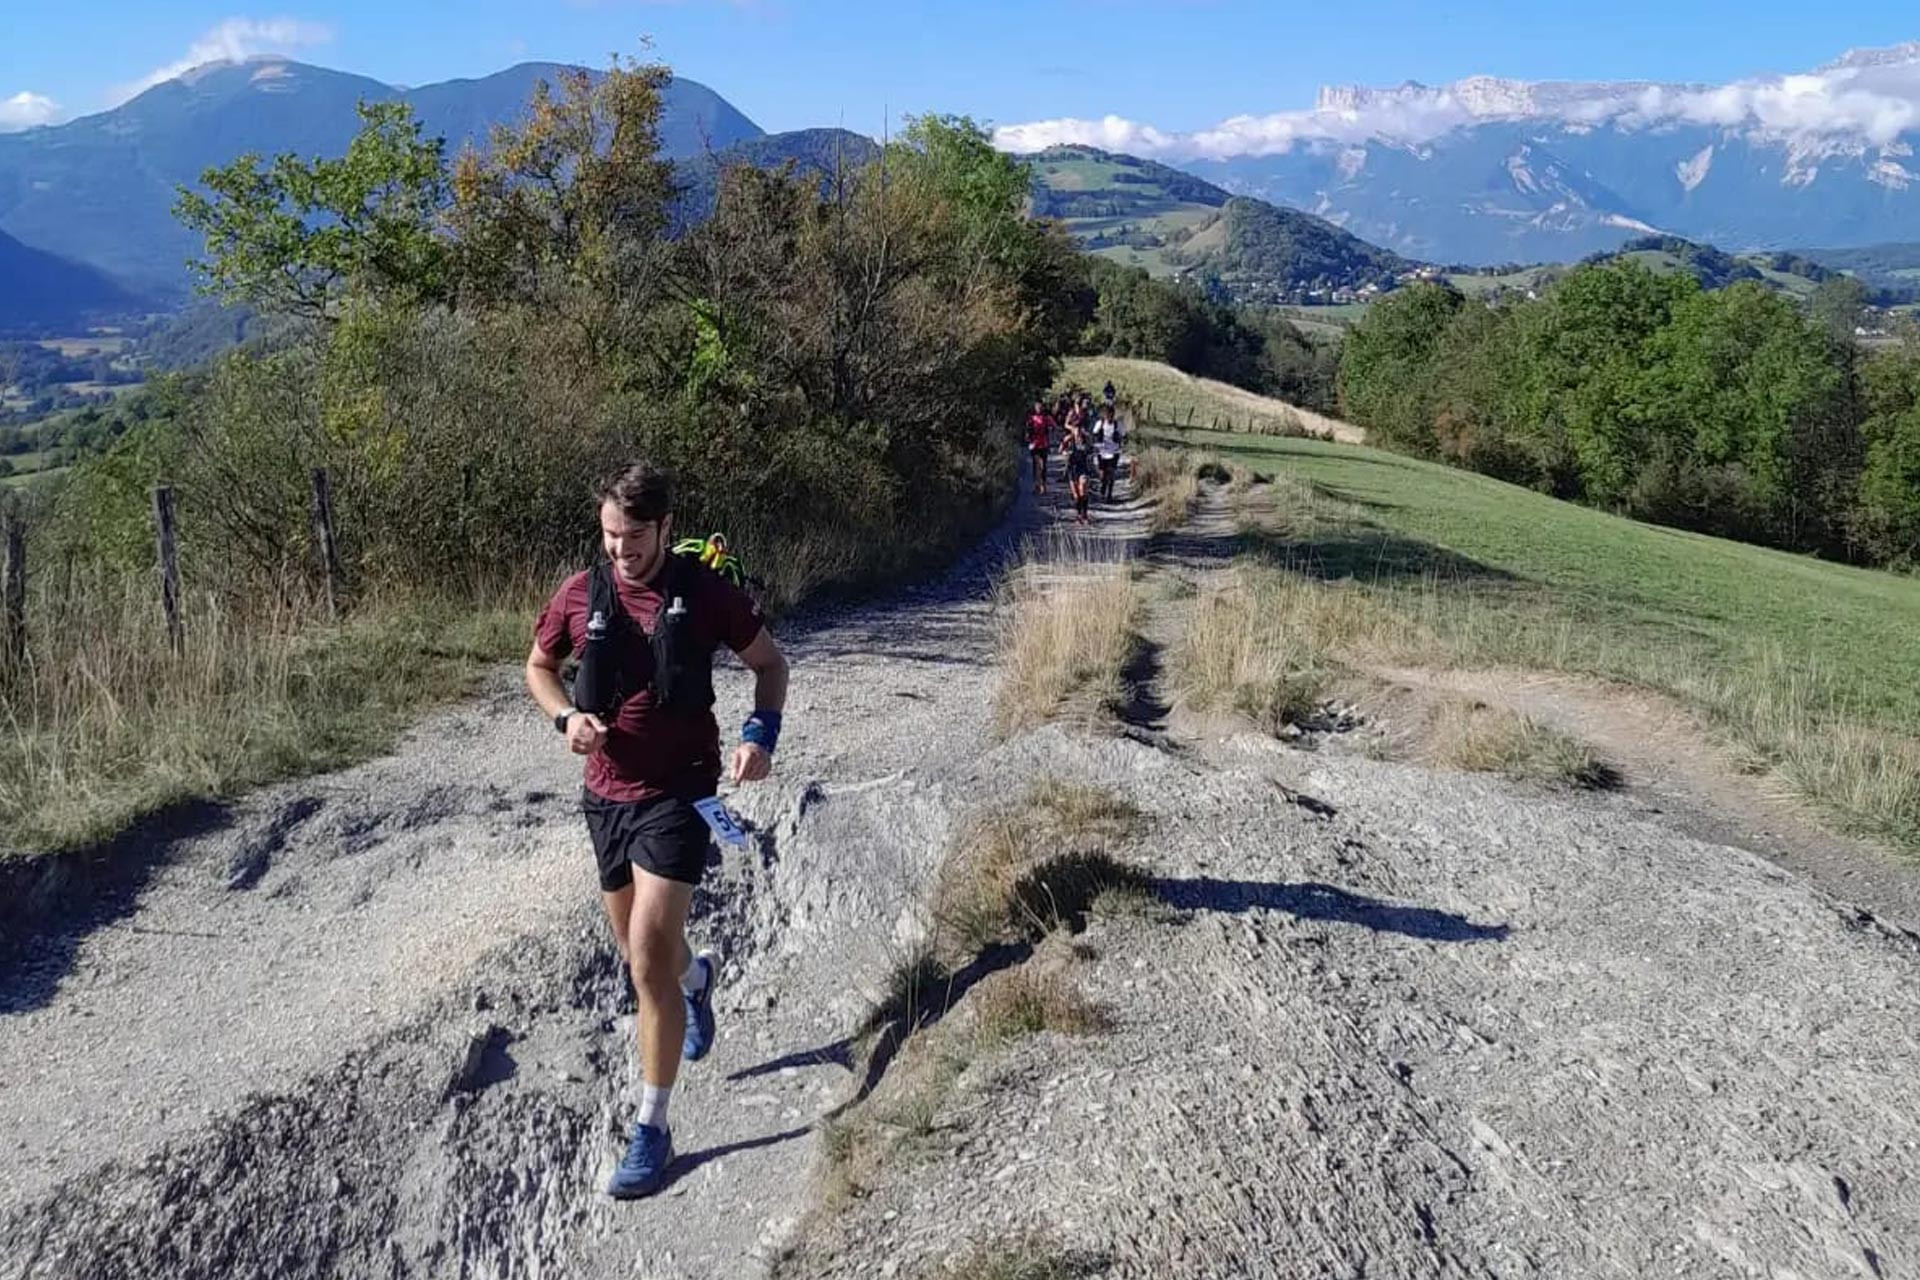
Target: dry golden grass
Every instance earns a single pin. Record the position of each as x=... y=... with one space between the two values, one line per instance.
x=1478 y=738
x=1264 y=644
x=247 y=699
x=1027 y=1256
x=1181 y=399
x=1065 y=647
x=1169 y=480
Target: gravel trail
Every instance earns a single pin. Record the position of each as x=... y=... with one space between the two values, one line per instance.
x=1397 y=1022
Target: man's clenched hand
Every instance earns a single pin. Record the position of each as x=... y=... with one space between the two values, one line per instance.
x=750 y=763
x=585 y=733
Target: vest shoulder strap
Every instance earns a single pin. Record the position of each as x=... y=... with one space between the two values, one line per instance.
x=602 y=597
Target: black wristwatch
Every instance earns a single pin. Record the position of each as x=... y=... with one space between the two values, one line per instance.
x=560 y=720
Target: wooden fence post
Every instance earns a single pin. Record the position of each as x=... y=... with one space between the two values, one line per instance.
x=323 y=540
x=13 y=595
x=169 y=561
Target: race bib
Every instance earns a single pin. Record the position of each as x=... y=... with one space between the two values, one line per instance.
x=725 y=827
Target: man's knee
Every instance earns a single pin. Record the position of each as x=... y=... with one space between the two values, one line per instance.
x=653 y=955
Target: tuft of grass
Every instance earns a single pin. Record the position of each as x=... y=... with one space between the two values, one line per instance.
x=1264 y=645
x=1029 y=1255
x=1170 y=481
x=917 y=986
x=856 y=1143
x=1060 y=892
x=1016 y=874
x=1473 y=736
x=1065 y=649
x=1027 y=1000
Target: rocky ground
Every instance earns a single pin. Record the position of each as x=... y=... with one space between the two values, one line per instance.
x=1377 y=1020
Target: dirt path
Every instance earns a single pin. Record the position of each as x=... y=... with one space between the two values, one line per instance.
x=1400 y=1023
x=1674 y=769
x=1408 y=1023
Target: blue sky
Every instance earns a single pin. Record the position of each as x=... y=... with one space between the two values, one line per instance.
x=1179 y=64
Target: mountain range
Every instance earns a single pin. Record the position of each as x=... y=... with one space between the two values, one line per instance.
x=1487 y=170
x=1479 y=171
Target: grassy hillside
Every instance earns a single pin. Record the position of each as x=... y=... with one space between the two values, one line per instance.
x=1806 y=666
x=1178 y=397
x=1143 y=214
x=1121 y=208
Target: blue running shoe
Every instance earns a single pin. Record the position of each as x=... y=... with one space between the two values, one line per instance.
x=699 y=1038
x=644 y=1168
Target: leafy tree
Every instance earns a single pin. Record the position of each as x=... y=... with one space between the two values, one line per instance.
x=294 y=236
x=1838 y=303
x=574 y=195
x=1887 y=516
x=1386 y=364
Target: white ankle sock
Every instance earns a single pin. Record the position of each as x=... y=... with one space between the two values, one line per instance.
x=694 y=980
x=653 y=1105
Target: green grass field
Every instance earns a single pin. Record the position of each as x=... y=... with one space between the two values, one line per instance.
x=1809 y=671
x=1640 y=585
x=1475 y=286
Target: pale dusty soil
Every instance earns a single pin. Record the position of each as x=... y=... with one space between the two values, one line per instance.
x=1391 y=1021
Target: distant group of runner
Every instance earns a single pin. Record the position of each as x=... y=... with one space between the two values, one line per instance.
x=1088 y=438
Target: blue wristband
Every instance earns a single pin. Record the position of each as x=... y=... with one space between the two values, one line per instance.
x=762 y=729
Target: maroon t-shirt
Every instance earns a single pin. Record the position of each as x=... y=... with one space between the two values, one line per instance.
x=650 y=751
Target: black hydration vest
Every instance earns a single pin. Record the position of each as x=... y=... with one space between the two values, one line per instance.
x=611 y=666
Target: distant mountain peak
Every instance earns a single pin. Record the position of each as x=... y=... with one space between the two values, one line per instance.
x=1867 y=98
x=1898 y=55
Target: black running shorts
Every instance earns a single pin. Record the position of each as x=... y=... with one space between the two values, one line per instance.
x=662 y=835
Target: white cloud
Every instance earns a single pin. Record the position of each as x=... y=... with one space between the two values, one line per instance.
x=1866 y=99
x=25 y=110
x=234 y=40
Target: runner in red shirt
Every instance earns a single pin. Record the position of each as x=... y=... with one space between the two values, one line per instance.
x=1039 y=443
x=649 y=758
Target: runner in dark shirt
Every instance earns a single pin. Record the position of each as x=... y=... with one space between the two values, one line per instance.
x=648 y=762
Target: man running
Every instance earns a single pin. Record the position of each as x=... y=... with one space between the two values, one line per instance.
x=1106 y=451
x=1039 y=443
x=654 y=627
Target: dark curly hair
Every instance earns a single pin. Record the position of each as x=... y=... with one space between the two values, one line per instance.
x=641 y=490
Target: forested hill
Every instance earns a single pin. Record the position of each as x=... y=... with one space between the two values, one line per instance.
x=43 y=289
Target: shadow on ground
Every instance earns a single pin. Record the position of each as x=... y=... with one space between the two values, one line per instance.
x=686 y=1164
x=892 y=1026
x=51 y=903
x=1366 y=554
x=1312 y=901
